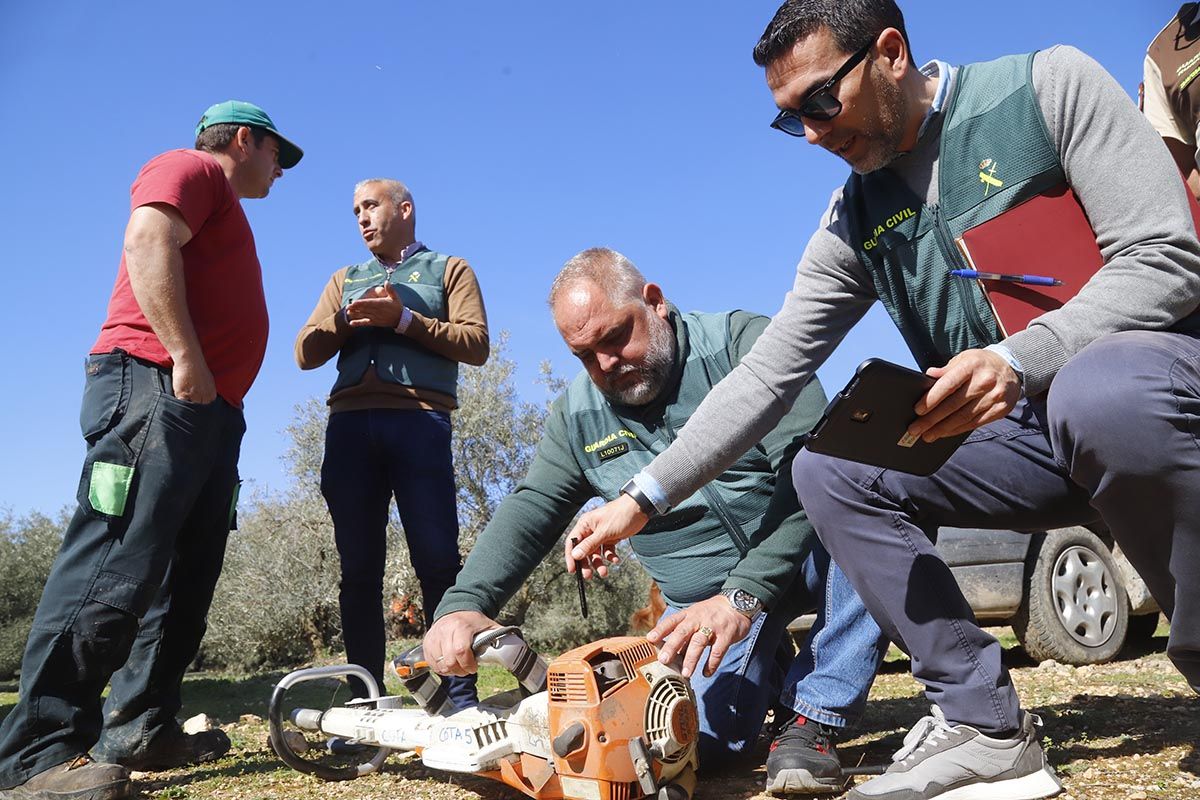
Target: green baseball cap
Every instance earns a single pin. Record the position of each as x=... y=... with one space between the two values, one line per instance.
x=241 y=113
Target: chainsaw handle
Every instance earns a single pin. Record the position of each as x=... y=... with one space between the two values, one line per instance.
x=485 y=639
x=275 y=720
x=507 y=647
x=503 y=646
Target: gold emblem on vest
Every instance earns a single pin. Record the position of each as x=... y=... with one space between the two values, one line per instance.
x=414 y=277
x=987 y=176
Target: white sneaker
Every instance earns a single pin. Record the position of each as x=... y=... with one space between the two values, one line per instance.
x=957 y=762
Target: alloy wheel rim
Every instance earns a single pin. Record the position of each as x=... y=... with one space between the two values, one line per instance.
x=1084 y=596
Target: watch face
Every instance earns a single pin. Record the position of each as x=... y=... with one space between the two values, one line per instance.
x=743 y=601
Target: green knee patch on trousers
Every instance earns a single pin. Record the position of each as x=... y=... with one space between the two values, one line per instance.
x=109 y=488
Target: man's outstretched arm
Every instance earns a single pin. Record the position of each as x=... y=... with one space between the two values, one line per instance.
x=523 y=530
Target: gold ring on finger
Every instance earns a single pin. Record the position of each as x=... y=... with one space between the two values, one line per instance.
x=706 y=632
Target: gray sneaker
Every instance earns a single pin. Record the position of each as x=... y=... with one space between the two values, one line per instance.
x=957 y=762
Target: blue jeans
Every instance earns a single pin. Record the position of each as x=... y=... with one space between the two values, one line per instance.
x=827 y=682
x=371 y=456
x=1117 y=439
x=134 y=576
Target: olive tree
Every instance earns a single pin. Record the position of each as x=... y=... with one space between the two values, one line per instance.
x=28 y=546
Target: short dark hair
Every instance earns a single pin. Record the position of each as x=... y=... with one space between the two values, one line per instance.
x=216 y=138
x=853 y=23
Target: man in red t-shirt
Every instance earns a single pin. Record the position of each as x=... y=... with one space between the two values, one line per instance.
x=162 y=417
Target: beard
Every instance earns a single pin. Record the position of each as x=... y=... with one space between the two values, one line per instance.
x=652 y=373
x=882 y=145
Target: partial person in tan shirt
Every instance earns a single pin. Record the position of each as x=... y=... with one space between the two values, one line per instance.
x=1171 y=89
x=400 y=323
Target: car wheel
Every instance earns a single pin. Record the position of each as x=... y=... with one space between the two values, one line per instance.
x=1075 y=610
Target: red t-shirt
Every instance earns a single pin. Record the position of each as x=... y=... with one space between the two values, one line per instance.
x=222 y=276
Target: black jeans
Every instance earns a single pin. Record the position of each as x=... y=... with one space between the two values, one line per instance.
x=371 y=456
x=143 y=550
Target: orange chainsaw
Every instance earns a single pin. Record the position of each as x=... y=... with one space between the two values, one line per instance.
x=605 y=721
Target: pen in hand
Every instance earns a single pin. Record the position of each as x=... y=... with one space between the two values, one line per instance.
x=1033 y=280
x=579 y=583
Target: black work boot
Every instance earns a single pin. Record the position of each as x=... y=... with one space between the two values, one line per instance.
x=173 y=748
x=803 y=759
x=78 y=779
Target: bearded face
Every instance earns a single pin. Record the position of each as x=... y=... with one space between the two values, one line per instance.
x=638 y=383
x=626 y=347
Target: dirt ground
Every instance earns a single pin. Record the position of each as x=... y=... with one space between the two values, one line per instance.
x=1129 y=730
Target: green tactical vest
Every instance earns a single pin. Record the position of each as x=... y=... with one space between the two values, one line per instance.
x=420 y=283
x=995 y=153
x=690 y=550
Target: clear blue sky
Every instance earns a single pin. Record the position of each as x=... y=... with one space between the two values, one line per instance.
x=527 y=131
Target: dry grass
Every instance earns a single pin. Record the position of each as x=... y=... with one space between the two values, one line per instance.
x=1122 y=731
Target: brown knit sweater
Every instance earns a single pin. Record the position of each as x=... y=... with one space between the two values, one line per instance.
x=463 y=338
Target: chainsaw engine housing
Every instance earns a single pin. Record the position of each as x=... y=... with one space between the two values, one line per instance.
x=624 y=723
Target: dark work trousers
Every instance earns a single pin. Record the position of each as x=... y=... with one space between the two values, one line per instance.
x=145 y=546
x=1117 y=439
x=370 y=457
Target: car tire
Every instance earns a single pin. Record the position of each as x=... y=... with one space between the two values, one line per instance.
x=1075 y=610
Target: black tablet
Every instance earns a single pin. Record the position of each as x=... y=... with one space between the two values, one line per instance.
x=868 y=421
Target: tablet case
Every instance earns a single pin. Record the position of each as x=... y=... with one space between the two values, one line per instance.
x=868 y=420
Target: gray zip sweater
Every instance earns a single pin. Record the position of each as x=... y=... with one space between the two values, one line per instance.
x=1133 y=196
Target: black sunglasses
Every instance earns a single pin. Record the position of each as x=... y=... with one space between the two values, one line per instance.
x=820 y=104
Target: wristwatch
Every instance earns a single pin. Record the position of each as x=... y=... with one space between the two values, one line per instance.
x=743 y=602
x=633 y=490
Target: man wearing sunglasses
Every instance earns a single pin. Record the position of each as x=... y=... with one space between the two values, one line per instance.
x=1090 y=414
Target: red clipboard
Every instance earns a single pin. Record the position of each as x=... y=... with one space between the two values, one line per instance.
x=1048 y=235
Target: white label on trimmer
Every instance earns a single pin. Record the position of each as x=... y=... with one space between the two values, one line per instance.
x=907 y=440
x=581 y=788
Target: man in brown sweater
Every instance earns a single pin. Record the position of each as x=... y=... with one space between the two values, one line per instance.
x=399 y=323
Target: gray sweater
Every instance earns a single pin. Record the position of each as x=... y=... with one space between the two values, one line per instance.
x=1133 y=196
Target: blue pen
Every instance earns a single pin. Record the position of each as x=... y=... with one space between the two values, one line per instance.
x=1033 y=280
